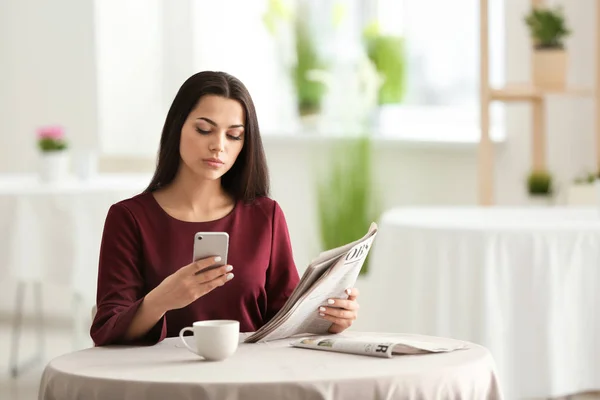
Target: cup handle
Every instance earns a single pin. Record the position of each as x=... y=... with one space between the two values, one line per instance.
x=183 y=339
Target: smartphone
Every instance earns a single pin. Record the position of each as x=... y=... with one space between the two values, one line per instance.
x=211 y=244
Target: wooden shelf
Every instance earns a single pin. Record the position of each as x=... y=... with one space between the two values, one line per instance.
x=524 y=92
x=531 y=93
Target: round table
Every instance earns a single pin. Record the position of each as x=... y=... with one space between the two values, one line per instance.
x=523 y=282
x=270 y=370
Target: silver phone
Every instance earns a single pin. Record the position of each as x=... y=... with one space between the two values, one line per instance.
x=211 y=244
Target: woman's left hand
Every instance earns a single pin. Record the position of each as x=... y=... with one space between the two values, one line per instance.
x=341 y=312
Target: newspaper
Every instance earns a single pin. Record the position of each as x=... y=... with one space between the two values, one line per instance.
x=327 y=276
x=379 y=346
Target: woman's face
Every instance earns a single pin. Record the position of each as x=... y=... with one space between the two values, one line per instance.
x=212 y=137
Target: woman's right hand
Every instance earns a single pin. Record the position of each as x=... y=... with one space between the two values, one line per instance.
x=188 y=284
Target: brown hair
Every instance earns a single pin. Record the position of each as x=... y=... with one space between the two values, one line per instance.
x=248 y=178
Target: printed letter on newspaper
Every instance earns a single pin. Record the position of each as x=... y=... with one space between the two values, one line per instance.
x=382 y=346
x=327 y=276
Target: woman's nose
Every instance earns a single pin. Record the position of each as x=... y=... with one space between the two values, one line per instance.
x=218 y=142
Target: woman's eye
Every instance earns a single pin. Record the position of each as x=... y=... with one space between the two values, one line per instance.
x=235 y=137
x=203 y=132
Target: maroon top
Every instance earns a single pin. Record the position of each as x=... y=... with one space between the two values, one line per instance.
x=142 y=245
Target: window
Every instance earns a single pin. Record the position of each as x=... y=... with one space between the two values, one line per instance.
x=442 y=51
x=146 y=48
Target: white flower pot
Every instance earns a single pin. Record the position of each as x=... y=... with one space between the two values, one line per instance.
x=541 y=200
x=583 y=194
x=53 y=166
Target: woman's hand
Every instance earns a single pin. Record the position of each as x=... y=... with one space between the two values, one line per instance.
x=188 y=284
x=340 y=312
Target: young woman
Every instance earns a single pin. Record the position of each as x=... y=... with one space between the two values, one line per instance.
x=211 y=176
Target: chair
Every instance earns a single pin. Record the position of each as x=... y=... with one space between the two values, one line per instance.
x=17 y=325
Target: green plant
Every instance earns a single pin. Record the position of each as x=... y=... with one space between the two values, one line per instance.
x=539 y=183
x=276 y=11
x=547 y=27
x=310 y=91
x=387 y=53
x=346 y=205
x=589 y=178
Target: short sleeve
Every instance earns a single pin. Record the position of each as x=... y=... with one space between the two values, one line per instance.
x=120 y=282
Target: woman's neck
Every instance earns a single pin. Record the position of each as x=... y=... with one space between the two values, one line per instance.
x=193 y=199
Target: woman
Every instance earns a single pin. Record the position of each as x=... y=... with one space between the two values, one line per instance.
x=211 y=176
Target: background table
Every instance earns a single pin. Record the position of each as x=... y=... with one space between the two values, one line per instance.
x=523 y=282
x=271 y=370
x=49 y=228
x=51 y=233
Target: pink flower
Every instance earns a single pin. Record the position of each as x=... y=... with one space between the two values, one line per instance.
x=55 y=132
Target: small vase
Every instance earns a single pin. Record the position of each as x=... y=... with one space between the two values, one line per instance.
x=310 y=123
x=550 y=69
x=53 y=166
x=583 y=194
x=85 y=164
x=541 y=200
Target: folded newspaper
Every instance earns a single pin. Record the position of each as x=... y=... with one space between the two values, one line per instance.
x=327 y=276
x=385 y=347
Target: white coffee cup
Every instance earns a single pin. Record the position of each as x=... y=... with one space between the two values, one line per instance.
x=215 y=339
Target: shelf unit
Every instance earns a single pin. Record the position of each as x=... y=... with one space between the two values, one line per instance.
x=536 y=97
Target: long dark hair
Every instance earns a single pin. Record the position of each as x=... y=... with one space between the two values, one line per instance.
x=248 y=178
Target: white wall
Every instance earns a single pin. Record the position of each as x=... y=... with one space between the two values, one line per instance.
x=130 y=73
x=47 y=69
x=49 y=75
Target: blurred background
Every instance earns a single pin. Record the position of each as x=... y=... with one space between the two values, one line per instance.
x=364 y=106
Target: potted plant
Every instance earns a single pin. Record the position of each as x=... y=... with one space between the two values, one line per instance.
x=597 y=189
x=298 y=54
x=539 y=186
x=387 y=54
x=52 y=146
x=582 y=191
x=345 y=200
x=548 y=30
x=309 y=88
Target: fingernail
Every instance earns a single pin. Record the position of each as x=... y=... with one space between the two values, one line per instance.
x=321 y=314
x=321 y=308
x=348 y=291
x=229 y=268
x=229 y=276
x=217 y=259
x=330 y=301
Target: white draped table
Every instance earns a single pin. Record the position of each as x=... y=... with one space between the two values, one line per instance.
x=523 y=282
x=272 y=370
x=51 y=232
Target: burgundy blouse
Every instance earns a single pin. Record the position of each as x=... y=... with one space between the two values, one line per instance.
x=142 y=245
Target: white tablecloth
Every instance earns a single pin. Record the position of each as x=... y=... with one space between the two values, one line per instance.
x=525 y=283
x=51 y=231
x=272 y=370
